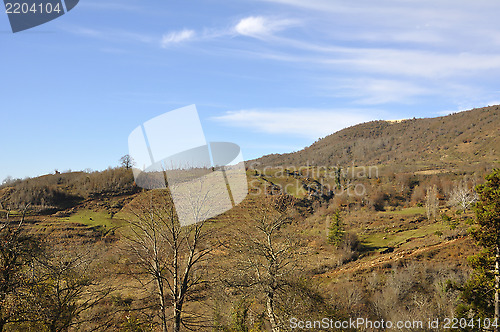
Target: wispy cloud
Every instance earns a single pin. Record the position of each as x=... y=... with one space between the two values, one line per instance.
x=176 y=37
x=262 y=27
x=121 y=36
x=380 y=53
x=373 y=91
x=416 y=63
x=112 y=35
x=419 y=39
x=309 y=123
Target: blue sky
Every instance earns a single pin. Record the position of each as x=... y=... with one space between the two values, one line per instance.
x=270 y=75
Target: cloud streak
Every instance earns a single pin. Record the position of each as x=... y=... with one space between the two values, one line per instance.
x=308 y=123
x=379 y=53
x=372 y=91
x=176 y=37
x=261 y=27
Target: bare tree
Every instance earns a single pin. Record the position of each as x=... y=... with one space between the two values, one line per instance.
x=17 y=251
x=432 y=202
x=169 y=255
x=463 y=195
x=7 y=181
x=127 y=161
x=265 y=257
x=44 y=287
x=66 y=287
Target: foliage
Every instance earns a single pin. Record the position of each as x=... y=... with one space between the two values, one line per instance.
x=488 y=211
x=336 y=232
x=451 y=222
x=478 y=292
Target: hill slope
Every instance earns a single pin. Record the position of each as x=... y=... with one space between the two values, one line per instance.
x=469 y=137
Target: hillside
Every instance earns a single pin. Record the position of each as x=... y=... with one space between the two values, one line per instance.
x=465 y=138
x=404 y=238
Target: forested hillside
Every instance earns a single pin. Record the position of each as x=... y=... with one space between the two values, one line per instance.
x=460 y=139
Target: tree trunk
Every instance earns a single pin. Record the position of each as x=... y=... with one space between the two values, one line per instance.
x=177 y=316
x=270 y=313
x=163 y=307
x=176 y=292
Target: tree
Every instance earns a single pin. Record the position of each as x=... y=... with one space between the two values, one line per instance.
x=7 y=181
x=432 y=202
x=169 y=255
x=127 y=161
x=264 y=264
x=463 y=196
x=480 y=295
x=43 y=287
x=336 y=232
x=66 y=287
x=17 y=251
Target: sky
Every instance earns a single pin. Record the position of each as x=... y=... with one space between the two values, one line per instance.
x=273 y=76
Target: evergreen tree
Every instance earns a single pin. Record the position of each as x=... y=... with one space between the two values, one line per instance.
x=336 y=230
x=480 y=297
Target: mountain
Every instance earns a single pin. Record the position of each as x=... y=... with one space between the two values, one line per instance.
x=465 y=138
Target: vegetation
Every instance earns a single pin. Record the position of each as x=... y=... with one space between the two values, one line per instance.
x=336 y=230
x=466 y=140
x=90 y=251
x=169 y=256
x=480 y=295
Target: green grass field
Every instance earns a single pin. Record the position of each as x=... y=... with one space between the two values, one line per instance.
x=407 y=211
x=92 y=218
x=393 y=239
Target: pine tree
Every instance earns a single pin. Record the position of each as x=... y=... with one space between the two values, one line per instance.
x=336 y=230
x=480 y=294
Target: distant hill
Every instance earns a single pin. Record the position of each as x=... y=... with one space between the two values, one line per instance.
x=465 y=138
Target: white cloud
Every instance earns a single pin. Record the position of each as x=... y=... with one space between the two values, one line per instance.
x=372 y=91
x=310 y=123
x=414 y=38
x=417 y=63
x=261 y=27
x=176 y=37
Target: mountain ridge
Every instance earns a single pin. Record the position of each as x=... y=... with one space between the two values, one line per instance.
x=469 y=137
